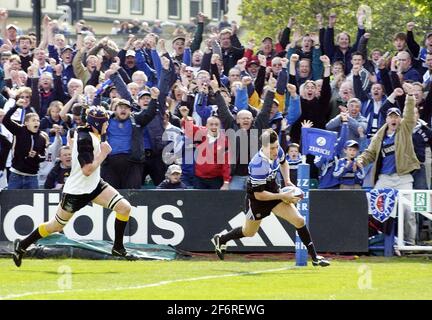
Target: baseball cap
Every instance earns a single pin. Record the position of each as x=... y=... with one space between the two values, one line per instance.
x=143 y=93
x=6 y=54
x=124 y=102
x=276 y=101
x=394 y=110
x=11 y=26
x=130 y=53
x=267 y=38
x=351 y=143
x=66 y=48
x=182 y=37
x=253 y=61
x=429 y=34
x=174 y=168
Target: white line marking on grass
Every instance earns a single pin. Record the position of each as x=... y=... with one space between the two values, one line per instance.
x=143 y=286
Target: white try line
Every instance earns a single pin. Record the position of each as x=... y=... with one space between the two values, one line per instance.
x=143 y=286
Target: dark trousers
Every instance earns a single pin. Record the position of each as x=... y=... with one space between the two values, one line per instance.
x=120 y=173
x=214 y=183
x=154 y=167
x=314 y=171
x=419 y=176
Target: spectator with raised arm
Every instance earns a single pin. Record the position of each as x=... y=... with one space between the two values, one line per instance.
x=246 y=128
x=232 y=50
x=342 y=51
x=123 y=167
x=212 y=168
x=312 y=108
x=355 y=120
x=418 y=53
x=358 y=69
x=29 y=149
x=350 y=176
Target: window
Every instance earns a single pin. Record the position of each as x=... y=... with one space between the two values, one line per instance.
x=89 y=5
x=137 y=7
x=195 y=7
x=174 y=9
x=113 y=6
x=62 y=2
x=215 y=9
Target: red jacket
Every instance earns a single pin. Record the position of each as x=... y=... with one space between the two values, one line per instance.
x=211 y=159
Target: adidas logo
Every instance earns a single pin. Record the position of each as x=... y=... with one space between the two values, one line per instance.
x=270 y=226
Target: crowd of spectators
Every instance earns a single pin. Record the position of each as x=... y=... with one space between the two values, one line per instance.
x=173 y=114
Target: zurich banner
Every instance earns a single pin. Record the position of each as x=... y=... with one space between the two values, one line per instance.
x=318 y=142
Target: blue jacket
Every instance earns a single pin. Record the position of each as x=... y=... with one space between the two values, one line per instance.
x=413 y=75
x=347 y=175
x=67 y=74
x=132 y=130
x=326 y=166
x=422 y=137
x=335 y=124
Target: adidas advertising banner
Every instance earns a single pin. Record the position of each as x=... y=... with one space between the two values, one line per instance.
x=189 y=219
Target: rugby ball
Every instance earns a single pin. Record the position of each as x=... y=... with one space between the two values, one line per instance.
x=296 y=191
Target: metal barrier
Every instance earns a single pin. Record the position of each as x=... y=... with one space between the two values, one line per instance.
x=419 y=201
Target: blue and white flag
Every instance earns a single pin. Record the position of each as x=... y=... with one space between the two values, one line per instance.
x=382 y=203
x=104 y=86
x=318 y=142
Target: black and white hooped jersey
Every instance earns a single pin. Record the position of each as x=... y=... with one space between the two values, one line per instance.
x=85 y=147
x=263 y=173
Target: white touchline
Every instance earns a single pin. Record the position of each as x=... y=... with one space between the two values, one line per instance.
x=157 y=284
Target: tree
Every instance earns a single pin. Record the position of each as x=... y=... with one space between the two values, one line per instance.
x=388 y=17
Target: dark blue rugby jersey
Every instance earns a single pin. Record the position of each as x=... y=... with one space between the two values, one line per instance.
x=263 y=172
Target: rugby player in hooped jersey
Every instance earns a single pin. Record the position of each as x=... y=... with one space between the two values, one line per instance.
x=85 y=185
x=264 y=197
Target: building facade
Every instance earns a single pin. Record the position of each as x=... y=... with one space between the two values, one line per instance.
x=101 y=13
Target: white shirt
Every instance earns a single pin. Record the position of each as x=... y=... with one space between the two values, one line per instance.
x=78 y=183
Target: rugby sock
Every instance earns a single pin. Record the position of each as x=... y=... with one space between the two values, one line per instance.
x=37 y=234
x=119 y=229
x=236 y=233
x=305 y=237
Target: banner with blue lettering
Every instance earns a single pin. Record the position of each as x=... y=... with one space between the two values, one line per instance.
x=318 y=142
x=382 y=203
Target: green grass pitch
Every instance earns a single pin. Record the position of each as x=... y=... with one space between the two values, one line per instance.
x=207 y=278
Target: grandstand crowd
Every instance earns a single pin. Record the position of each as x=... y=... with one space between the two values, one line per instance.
x=172 y=111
